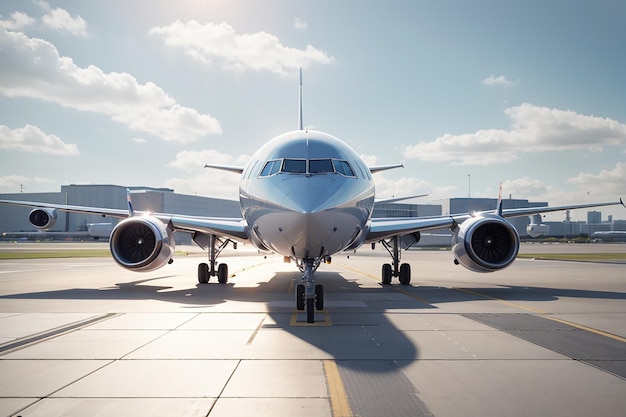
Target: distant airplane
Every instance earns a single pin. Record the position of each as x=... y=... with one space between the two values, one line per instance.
x=305 y=195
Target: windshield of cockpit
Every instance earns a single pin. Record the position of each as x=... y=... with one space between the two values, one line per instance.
x=307 y=166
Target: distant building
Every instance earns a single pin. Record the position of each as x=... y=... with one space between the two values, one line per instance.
x=406 y=210
x=594 y=217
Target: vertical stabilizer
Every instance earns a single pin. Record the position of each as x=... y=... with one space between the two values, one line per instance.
x=131 y=211
x=300 y=124
x=499 y=205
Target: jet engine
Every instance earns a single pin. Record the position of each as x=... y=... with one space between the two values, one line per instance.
x=142 y=244
x=43 y=218
x=485 y=244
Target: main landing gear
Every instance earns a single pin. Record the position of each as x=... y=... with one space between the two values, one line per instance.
x=402 y=271
x=215 y=247
x=309 y=296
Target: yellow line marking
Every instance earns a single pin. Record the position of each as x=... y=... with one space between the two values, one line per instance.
x=589 y=329
x=375 y=278
x=339 y=404
x=256 y=331
x=413 y=296
x=523 y=307
x=365 y=274
x=295 y=323
x=547 y=315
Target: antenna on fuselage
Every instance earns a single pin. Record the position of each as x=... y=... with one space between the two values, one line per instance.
x=300 y=124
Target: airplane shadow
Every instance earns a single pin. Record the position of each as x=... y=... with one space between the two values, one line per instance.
x=358 y=326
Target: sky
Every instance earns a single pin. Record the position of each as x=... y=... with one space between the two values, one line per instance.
x=467 y=95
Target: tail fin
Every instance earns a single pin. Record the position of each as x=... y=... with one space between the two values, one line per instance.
x=499 y=206
x=300 y=124
x=131 y=211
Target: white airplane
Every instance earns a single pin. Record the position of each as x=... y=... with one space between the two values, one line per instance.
x=305 y=195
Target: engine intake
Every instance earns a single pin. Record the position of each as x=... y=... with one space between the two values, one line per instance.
x=142 y=244
x=485 y=244
x=43 y=218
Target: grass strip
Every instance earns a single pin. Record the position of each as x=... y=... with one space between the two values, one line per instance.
x=589 y=257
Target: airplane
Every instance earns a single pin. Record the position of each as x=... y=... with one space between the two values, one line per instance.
x=305 y=195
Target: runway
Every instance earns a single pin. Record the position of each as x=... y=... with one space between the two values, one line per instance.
x=83 y=337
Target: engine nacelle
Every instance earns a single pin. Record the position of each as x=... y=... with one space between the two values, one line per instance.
x=43 y=218
x=142 y=244
x=485 y=244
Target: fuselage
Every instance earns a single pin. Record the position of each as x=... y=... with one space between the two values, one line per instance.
x=306 y=195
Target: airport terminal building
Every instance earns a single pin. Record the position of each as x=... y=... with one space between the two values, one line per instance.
x=14 y=220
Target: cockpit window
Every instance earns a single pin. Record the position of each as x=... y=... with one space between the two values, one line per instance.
x=343 y=167
x=294 y=166
x=320 y=166
x=270 y=168
x=299 y=166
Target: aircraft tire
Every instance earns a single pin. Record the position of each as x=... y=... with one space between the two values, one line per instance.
x=310 y=310
x=386 y=274
x=222 y=273
x=319 y=297
x=203 y=273
x=300 y=297
x=405 y=274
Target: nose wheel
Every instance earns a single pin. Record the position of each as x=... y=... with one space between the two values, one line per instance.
x=309 y=296
x=310 y=304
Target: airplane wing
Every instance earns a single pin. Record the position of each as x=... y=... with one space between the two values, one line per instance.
x=116 y=213
x=221 y=226
x=383 y=228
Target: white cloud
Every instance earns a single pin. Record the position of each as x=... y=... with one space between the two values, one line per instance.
x=32 y=67
x=401 y=187
x=608 y=182
x=56 y=19
x=499 y=80
x=533 y=129
x=193 y=160
x=259 y=51
x=60 y=20
x=18 y=21
x=32 y=139
x=17 y=183
x=205 y=181
x=370 y=160
x=300 y=24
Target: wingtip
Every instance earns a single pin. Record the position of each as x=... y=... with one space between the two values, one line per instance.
x=622 y=202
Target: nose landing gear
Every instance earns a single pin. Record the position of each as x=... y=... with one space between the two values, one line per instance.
x=309 y=296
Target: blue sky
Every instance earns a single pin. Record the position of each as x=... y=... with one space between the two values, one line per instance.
x=530 y=94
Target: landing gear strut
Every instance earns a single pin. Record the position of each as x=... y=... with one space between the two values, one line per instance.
x=402 y=271
x=309 y=295
x=215 y=247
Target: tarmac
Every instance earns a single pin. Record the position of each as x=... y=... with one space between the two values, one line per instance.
x=83 y=337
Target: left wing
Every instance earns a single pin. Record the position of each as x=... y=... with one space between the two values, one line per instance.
x=383 y=228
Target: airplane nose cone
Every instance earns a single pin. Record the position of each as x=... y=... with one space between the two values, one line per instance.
x=303 y=198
